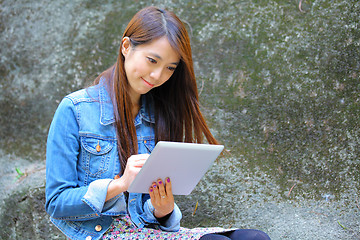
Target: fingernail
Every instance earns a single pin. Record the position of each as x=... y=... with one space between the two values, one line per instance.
x=154 y=186
x=160 y=182
x=168 y=180
x=151 y=189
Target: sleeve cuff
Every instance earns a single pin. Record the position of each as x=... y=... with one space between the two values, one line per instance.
x=172 y=224
x=96 y=195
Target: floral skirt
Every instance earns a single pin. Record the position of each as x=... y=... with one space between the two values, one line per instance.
x=123 y=228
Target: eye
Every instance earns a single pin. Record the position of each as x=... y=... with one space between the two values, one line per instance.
x=172 y=68
x=151 y=60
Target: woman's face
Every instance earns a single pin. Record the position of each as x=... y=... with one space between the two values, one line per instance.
x=148 y=65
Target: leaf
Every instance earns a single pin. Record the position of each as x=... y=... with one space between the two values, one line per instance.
x=342 y=225
x=196 y=206
x=19 y=172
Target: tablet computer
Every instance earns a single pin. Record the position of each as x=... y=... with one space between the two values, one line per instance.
x=184 y=163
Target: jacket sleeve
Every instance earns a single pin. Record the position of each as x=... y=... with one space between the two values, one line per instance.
x=65 y=198
x=173 y=222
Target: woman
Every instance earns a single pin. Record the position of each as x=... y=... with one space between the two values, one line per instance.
x=100 y=138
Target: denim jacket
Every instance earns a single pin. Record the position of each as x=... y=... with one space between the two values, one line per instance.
x=82 y=159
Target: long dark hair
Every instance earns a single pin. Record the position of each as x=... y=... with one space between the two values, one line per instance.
x=177 y=113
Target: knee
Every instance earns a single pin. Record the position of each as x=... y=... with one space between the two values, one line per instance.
x=249 y=234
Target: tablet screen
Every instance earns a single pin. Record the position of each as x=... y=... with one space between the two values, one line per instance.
x=184 y=163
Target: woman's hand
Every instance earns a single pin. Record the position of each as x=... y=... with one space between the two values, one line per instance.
x=133 y=167
x=121 y=184
x=162 y=198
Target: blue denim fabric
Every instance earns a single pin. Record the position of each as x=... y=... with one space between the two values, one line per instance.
x=78 y=173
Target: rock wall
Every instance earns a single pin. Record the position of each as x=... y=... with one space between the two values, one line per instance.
x=278 y=82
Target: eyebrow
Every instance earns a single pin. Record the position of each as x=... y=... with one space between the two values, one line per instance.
x=157 y=56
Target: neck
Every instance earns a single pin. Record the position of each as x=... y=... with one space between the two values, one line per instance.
x=136 y=103
x=135 y=98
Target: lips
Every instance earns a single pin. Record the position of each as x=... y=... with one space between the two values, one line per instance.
x=147 y=83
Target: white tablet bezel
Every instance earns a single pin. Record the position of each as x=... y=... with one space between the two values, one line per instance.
x=184 y=163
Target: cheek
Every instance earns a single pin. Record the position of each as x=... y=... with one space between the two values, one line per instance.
x=141 y=68
x=134 y=67
x=128 y=69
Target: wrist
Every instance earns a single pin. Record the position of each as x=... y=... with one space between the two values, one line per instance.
x=121 y=184
x=162 y=220
x=158 y=214
x=115 y=188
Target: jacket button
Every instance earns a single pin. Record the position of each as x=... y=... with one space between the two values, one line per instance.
x=98 y=228
x=88 y=238
x=98 y=148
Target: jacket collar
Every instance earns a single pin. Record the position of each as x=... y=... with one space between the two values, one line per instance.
x=106 y=107
x=107 y=111
x=146 y=112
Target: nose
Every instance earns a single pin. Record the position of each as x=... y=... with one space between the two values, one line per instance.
x=156 y=73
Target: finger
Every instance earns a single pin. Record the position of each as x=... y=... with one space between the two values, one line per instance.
x=144 y=156
x=139 y=157
x=139 y=163
x=136 y=162
x=168 y=186
x=156 y=191
x=161 y=188
x=151 y=192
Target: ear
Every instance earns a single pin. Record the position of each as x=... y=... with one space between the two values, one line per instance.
x=125 y=46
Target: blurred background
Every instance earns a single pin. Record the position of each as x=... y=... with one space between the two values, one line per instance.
x=278 y=82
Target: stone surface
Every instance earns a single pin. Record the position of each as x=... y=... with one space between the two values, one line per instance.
x=22 y=201
x=279 y=84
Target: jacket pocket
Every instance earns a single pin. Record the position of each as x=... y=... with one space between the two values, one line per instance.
x=96 y=155
x=146 y=144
